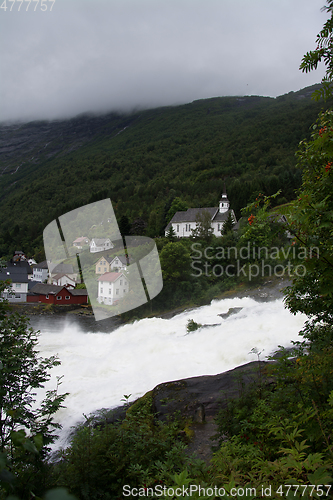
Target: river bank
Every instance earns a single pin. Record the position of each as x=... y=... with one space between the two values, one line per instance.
x=267 y=290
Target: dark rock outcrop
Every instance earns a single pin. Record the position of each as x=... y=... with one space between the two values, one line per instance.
x=197 y=400
x=203 y=396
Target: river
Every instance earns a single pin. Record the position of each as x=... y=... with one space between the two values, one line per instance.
x=102 y=362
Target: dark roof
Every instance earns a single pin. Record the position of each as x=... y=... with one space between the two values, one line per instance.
x=45 y=289
x=21 y=266
x=100 y=241
x=221 y=217
x=79 y=291
x=41 y=265
x=191 y=214
x=63 y=268
x=17 y=272
x=122 y=259
x=15 y=278
x=31 y=284
x=108 y=259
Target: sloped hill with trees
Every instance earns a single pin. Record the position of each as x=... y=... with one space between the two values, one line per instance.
x=145 y=160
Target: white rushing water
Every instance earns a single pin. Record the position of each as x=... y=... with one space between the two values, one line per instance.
x=100 y=368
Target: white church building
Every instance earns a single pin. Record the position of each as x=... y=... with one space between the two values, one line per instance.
x=184 y=222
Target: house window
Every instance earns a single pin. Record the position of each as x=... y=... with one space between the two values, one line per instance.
x=17 y=295
x=189 y=227
x=218 y=227
x=18 y=285
x=101 y=290
x=46 y=296
x=124 y=290
x=67 y=297
x=59 y=297
x=110 y=291
x=177 y=228
x=105 y=269
x=121 y=282
x=117 y=291
x=99 y=269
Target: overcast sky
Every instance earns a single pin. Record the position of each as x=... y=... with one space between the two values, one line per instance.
x=101 y=55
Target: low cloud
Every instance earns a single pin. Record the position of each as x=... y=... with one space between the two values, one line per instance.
x=95 y=55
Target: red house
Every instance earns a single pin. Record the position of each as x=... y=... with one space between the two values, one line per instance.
x=55 y=294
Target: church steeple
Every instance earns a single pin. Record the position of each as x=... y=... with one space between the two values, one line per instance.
x=224 y=204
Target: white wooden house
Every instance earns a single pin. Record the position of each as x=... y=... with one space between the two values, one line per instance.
x=62 y=279
x=40 y=272
x=62 y=269
x=119 y=263
x=184 y=222
x=100 y=244
x=112 y=287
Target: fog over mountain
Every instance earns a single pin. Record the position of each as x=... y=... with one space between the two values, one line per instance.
x=101 y=55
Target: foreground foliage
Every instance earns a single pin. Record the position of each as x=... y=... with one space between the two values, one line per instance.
x=138 y=451
x=26 y=429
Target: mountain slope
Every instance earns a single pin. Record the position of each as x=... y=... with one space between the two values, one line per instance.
x=143 y=160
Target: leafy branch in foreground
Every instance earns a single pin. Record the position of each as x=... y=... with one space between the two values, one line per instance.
x=311 y=221
x=26 y=429
x=323 y=52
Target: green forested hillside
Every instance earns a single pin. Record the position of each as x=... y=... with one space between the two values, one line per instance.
x=144 y=160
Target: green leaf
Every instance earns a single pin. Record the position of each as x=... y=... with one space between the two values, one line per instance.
x=320 y=476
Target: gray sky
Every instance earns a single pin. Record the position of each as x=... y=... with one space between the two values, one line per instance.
x=102 y=55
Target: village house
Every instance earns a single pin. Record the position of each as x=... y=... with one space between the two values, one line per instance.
x=111 y=287
x=81 y=242
x=62 y=279
x=107 y=264
x=19 y=274
x=64 y=269
x=119 y=263
x=40 y=272
x=184 y=222
x=100 y=245
x=55 y=294
x=19 y=256
x=103 y=265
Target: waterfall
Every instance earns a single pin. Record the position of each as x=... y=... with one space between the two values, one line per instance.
x=100 y=367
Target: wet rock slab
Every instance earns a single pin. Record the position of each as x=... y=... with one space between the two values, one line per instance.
x=201 y=397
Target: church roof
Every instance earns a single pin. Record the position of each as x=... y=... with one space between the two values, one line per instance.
x=221 y=217
x=191 y=214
